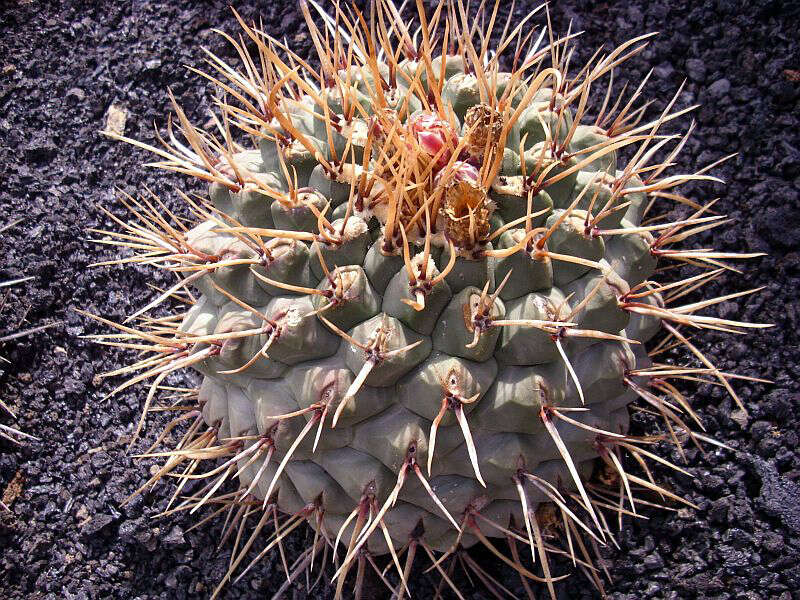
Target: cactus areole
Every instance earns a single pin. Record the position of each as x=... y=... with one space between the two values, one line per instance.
x=419 y=291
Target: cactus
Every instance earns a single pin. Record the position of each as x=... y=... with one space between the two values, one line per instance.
x=420 y=304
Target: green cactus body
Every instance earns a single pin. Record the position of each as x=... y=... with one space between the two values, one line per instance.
x=510 y=373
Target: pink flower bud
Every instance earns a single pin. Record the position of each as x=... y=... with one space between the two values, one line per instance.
x=462 y=171
x=433 y=134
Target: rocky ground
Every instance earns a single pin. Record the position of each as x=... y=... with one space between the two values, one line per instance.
x=65 y=67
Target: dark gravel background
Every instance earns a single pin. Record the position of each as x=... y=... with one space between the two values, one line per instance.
x=63 y=65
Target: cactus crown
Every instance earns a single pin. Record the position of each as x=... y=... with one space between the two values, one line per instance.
x=420 y=304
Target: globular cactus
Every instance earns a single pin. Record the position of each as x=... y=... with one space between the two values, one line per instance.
x=420 y=305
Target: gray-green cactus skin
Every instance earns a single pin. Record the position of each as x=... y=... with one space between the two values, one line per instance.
x=511 y=373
